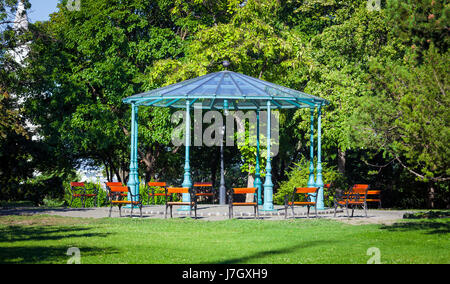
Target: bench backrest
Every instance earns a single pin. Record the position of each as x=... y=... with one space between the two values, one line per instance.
x=157 y=184
x=77 y=184
x=244 y=190
x=113 y=184
x=306 y=190
x=360 y=186
x=203 y=184
x=373 y=192
x=118 y=188
x=172 y=190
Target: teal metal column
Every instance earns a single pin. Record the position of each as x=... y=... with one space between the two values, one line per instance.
x=258 y=183
x=319 y=181
x=268 y=185
x=133 y=180
x=187 y=182
x=311 y=182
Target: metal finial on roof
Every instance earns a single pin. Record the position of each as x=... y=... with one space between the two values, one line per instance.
x=226 y=64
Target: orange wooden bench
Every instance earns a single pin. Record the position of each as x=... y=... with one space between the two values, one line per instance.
x=241 y=191
x=374 y=196
x=355 y=197
x=161 y=186
x=180 y=190
x=202 y=190
x=78 y=190
x=118 y=193
x=108 y=184
x=307 y=193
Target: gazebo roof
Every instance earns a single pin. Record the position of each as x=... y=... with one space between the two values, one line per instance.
x=226 y=90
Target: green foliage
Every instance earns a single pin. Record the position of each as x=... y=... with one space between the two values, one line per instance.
x=52 y=203
x=158 y=200
x=338 y=73
x=411 y=121
x=91 y=188
x=418 y=23
x=298 y=177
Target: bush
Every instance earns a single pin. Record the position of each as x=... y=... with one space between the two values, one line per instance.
x=299 y=175
x=102 y=199
x=159 y=200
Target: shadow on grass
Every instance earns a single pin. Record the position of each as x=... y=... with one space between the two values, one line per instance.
x=430 y=226
x=268 y=253
x=43 y=254
x=40 y=244
x=35 y=210
x=48 y=233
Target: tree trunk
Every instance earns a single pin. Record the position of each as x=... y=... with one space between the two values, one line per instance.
x=431 y=194
x=341 y=161
x=250 y=181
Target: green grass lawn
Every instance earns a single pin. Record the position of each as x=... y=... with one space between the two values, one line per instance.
x=46 y=239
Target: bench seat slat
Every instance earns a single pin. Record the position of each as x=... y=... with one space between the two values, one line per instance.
x=180 y=203
x=124 y=202
x=204 y=194
x=203 y=184
x=302 y=203
x=244 y=203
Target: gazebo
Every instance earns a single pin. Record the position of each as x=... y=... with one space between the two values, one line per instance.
x=227 y=90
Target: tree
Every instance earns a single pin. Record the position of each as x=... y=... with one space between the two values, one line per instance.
x=405 y=115
x=7 y=10
x=83 y=63
x=411 y=117
x=339 y=59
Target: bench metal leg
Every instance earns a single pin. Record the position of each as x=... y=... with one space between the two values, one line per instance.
x=195 y=211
